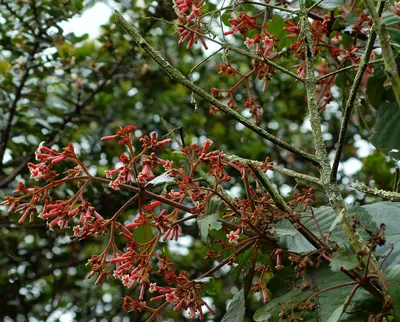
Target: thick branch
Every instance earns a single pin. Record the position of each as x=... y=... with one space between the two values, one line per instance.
x=331 y=187
x=277 y=168
x=387 y=53
x=389 y=195
x=176 y=75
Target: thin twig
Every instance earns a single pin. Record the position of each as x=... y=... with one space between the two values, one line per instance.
x=379 y=60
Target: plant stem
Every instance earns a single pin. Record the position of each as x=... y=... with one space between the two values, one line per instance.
x=347 y=68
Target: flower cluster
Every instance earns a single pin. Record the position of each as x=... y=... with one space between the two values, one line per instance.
x=135 y=264
x=191 y=22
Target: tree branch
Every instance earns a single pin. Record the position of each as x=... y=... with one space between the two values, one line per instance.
x=331 y=187
x=347 y=68
x=290 y=173
x=389 y=195
x=387 y=53
x=176 y=75
x=352 y=97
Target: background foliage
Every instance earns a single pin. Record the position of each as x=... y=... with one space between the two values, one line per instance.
x=61 y=88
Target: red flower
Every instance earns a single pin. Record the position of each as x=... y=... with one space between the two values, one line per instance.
x=233 y=236
x=125 y=132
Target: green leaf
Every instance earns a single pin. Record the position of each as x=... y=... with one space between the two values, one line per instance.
x=394 y=37
x=207 y=223
x=331 y=4
x=387 y=213
x=291 y=239
x=392 y=281
x=208 y=284
x=326 y=303
x=386 y=133
x=163 y=178
x=242 y=260
x=275 y=26
x=142 y=234
x=336 y=314
x=326 y=217
x=225 y=18
x=210 y=219
x=236 y=309
x=390 y=19
x=343 y=259
x=214 y=205
x=375 y=88
x=270 y=312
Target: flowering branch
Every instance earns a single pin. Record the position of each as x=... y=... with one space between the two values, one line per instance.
x=176 y=75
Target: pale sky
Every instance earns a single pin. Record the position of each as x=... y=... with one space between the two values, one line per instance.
x=90 y=21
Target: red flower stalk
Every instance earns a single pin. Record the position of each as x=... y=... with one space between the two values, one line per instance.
x=126 y=133
x=243 y=23
x=294 y=29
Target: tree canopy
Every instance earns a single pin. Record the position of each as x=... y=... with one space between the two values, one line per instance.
x=232 y=161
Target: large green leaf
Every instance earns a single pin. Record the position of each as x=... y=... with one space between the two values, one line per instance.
x=394 y=38
x=390 y=18
x=236 y=309
x=343 y=259
x=336 y=314
x=387 y=213
x=392 y=282
x=327 y=222
x=386 y=133
x=275 y=26
x=291 y=239
x=375 y=88
x=372 y=216
x=326 y=303
x=271 y=311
